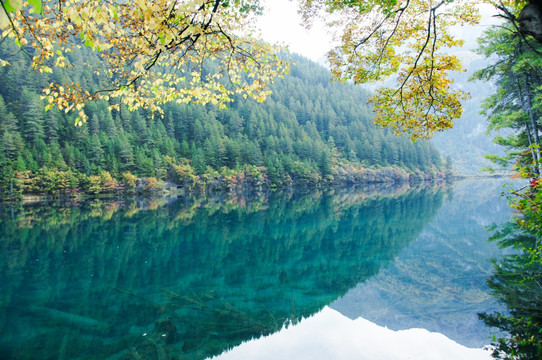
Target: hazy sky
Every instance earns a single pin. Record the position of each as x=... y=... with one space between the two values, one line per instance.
x=281 y=24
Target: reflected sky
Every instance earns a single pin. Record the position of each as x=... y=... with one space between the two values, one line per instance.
x=331 y=335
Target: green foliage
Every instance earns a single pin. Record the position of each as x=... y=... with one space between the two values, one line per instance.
x=93 y=185
x=130 y=181
x=185 y=175
x=516 y=283
x=153 y=185
x=517 y=104
x=10 y=186
x=529 y=204
x=517 y=279
x=300 y=135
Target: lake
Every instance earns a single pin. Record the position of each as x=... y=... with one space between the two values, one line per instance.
x=359 y=273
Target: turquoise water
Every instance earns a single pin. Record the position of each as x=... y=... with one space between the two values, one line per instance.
x=191 y=278
x=438 y=282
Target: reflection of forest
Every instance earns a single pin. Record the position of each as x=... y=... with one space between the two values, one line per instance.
x=517 y=283
x=438 y=282
x=197 y=277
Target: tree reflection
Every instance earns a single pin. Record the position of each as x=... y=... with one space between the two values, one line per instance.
x=517 y=282
x=189 y=279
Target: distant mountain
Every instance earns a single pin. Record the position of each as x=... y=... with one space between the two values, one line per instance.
x=467 y=142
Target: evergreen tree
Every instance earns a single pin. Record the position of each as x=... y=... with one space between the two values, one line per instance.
x=199 y=163
x=52 y=126
x=3 y=114
x=96 y=154
x=32 y=116
x=516 y=104
x=325 y=165
x=11 y=140
x=126 y=154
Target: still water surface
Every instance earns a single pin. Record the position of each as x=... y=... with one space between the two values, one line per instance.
x=278 y=276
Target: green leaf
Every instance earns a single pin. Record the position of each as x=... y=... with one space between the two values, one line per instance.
x=37 y=4
x=13 y=5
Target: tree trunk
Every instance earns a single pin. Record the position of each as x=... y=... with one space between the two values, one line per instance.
x=533 y=126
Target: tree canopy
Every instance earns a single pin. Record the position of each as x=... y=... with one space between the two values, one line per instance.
x=152 y=51
x=407 y=39
x=411 y=42
x=204 y=51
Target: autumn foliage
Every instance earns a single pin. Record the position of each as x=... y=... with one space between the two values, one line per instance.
x=153 y=52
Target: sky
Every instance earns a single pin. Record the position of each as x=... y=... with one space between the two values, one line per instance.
x=281 y=24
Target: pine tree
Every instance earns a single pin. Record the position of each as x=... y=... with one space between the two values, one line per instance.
x=11 y=140
x=170 y=125
x=96 y=154
x=51 y=126
x=3 y=114
x=94 y=125
x=198 y=161
x=325 y=164
x=32 y=115
x=143 y=163
x=126 y=154
x=159 y=165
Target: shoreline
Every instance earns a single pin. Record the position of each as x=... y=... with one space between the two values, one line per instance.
x=175 y=190
x=30 y=188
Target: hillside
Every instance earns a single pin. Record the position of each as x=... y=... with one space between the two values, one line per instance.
x=309 y=131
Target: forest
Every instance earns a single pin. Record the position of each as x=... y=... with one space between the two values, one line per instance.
x=291 y=255
x=309 y=132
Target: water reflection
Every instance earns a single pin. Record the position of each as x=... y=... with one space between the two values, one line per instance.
x=331 y=335
x=436 y=285
x=189 y=279
x=517 y=282
x=439 y=282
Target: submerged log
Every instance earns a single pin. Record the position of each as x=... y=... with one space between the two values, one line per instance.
x=69 y=318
